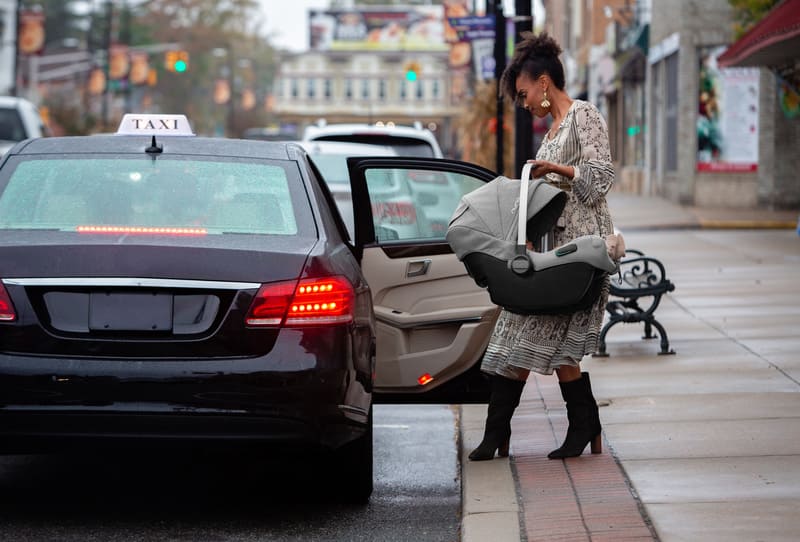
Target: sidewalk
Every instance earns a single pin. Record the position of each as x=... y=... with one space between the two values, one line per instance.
x=632 y=212
x=700 y=445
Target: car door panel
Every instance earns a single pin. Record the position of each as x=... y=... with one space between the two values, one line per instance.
x=436 y=324
x=432 y=321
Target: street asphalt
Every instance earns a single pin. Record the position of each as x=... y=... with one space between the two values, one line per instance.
x=700 y=445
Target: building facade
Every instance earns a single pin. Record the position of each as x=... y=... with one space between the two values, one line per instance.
x=370 y=86
x=680 y=126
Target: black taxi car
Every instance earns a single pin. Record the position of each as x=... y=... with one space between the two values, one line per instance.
x=159 y=285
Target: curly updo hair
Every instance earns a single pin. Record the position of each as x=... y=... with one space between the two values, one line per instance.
x=534 y=55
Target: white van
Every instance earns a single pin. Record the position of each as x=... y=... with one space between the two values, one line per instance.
x=435 y=194
x=405 y=140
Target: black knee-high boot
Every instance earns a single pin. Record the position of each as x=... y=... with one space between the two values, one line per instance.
x=584 y=419
x=504 y=399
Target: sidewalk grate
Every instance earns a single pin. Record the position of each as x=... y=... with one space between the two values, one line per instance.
x=586 y=498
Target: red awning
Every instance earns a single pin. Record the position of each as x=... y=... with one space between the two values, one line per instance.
x=774 y=41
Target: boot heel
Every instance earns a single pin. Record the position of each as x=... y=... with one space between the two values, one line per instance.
x=502 y=451
x=597 y=444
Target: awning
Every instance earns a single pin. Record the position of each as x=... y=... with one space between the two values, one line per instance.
x=774 y=41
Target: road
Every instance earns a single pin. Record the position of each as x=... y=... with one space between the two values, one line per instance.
x=236 y=496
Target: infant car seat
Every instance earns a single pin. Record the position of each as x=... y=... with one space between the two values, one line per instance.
x=488 y=232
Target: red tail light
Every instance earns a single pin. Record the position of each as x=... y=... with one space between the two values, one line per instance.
x=7 y=313
x=308 y=302
x=394 y=212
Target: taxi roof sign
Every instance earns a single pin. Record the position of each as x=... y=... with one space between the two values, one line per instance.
x=153 y=124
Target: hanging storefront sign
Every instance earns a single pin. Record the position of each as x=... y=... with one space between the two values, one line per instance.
x=31 y=32
x=222 y=91
x=96 y=84
x=727 y=120
x=118 y=64
x=140 y=68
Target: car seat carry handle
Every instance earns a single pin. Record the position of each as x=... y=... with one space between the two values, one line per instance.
x=521 y=263
x=524 y=181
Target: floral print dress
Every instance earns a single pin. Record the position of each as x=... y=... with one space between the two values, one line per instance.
x=541 y=343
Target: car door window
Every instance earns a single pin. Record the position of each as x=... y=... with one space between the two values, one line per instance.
x=414 y=204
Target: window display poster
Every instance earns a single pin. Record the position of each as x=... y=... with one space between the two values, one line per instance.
x=727 y=117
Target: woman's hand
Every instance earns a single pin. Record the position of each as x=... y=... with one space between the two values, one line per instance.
x=543 y=167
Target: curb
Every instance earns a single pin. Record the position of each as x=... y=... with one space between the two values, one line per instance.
x=747 y=224
x=489 y=504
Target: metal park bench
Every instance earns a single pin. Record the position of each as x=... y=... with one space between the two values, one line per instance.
x=639 y=277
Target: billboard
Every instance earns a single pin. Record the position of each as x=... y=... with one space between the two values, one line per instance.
x=419 y=28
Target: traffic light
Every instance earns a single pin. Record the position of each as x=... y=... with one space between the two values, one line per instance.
x=412 y=70
x=177 y=61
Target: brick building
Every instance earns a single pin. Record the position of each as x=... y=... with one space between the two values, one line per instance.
x=680 y=125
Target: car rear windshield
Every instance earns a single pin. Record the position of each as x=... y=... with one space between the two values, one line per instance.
x=215 y=196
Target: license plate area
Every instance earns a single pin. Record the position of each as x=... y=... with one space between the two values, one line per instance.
x=128 y=311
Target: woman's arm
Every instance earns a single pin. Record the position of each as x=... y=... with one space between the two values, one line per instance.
x=594 y=173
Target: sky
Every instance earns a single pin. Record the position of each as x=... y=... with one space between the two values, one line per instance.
x=286 y=21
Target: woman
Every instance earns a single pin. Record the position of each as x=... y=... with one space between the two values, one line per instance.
x=575 y=157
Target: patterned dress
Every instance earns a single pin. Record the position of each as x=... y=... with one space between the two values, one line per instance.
x=541 y=343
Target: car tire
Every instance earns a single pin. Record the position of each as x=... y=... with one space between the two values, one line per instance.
x=354 y=466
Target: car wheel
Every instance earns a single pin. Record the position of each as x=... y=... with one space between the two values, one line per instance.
x=354 y=466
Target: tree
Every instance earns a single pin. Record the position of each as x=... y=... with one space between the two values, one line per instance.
x=218 y=36
x=746 y=13
x=477 y=126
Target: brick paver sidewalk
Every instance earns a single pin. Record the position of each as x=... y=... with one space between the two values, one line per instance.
x=586 y=498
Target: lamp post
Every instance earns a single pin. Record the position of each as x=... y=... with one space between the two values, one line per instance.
x=523 y=132
x=15 y=69
x=499 y=66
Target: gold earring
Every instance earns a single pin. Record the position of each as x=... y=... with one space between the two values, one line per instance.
x=545 y=102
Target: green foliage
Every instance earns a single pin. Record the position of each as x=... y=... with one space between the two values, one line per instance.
x=223 y=41
x=746 y=13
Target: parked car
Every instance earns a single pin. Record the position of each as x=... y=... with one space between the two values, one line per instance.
x=270 y=133
x=405 y=140
x=155 y=285
x=19 y=120
x=394 y=211
x=435 y=193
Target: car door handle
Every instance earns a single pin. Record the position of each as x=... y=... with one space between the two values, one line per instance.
x=417 y=268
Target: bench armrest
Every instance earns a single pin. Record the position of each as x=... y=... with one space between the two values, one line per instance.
x=640 y=276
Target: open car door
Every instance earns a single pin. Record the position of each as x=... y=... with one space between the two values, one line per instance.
x=433 y=321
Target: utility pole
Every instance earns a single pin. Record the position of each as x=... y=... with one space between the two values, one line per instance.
x=15 y=82
x=523 y=129
x=499 y=65
x=107 y=63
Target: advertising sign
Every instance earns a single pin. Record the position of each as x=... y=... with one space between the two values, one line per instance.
x=31 y=32
x=727 y=120
x=413 y=28
x=479 y=33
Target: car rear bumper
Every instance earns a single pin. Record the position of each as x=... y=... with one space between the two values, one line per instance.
x=53 y=402
x=31 y=431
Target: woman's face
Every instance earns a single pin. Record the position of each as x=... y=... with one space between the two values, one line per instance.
x=530 y=93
